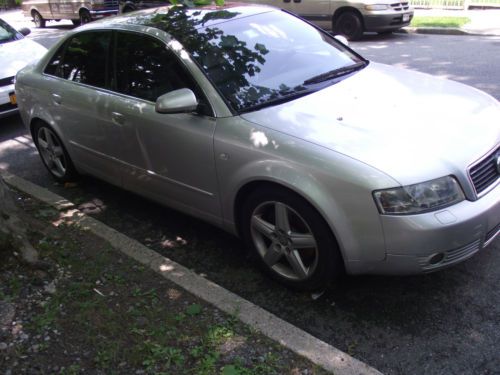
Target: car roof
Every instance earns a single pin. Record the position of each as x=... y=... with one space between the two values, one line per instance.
x=179 y=20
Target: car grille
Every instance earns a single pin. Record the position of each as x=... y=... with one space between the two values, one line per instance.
x=400 y=6
x=451 y=256
x=6 y=81
x=110 y=4
x=484 y=173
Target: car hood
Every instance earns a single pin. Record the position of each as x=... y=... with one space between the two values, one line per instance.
x=409 y=125
x=16 y=55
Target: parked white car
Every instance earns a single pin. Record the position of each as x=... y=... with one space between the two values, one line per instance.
x=350 y=18
x=16 y=52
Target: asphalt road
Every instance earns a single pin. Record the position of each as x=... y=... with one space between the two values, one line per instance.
x=442 y=323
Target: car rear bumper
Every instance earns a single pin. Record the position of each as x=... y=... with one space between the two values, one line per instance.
x=96 y=14
x=432 y=241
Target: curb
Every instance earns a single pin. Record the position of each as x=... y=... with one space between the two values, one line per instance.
x=291 y=337
x=442 y=31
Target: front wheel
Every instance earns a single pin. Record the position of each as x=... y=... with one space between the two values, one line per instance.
x=349 y=24
x=53 y=154
x=289 y=239
x=38 y=19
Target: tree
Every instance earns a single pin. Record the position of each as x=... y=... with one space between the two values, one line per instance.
x=13 y=230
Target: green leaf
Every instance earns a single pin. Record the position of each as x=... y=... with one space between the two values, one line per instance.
x=219 y=3
x=193 y=310
x=230 y=370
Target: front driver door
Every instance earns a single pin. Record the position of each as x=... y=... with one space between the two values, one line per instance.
x=168 y=157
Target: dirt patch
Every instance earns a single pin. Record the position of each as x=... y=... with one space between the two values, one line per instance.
x=96 y=311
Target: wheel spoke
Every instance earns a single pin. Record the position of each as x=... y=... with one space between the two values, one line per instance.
x=272 y=255
x=281 y=217
x=42 y=143
x=58 y=151
x=302 y=240
x=262 y=226
x=59 y=166
x=295 y=261
x=48 y=138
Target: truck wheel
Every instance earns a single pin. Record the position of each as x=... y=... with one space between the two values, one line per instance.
x=85 y=17
x=348 y=24
x=38 y=19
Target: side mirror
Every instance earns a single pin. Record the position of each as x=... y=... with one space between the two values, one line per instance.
x=342 y=39
x=177 y=101
x=24 y=30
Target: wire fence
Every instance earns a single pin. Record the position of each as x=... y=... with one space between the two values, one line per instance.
x=454 y=4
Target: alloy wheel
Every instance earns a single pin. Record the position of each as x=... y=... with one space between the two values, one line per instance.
x=52 y=152
x=284 y=240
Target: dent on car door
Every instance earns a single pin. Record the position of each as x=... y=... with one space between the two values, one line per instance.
x=168 y=157
x=79 y=102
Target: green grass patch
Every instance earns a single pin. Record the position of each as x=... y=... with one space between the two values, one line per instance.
x=439 y=21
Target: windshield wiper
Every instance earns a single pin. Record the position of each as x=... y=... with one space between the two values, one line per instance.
x=336 y=73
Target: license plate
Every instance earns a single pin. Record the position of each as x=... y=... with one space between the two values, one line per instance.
x=406 y=17
x=13 y=99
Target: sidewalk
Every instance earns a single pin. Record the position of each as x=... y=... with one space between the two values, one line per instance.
x=483 y=22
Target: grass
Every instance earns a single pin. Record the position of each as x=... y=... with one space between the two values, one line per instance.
x=113 y=316
x=439 y=21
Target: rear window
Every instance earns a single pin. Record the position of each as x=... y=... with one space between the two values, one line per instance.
x=82 y=59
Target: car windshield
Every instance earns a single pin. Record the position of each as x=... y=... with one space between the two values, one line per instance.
x=7 y=33
x=268 y=58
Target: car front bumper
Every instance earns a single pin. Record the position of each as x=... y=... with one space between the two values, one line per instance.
x=6 y=108
x=432 y=241
x=386 y=22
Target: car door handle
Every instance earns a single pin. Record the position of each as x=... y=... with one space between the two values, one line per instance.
x=297 y=1
x=57 y=99
x=286 y=1
x=117 y=118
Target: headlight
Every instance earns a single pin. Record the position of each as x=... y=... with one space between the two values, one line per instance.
x=413 y=199
x=377 y=7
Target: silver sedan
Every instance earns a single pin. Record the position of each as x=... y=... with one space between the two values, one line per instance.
x=266 y=126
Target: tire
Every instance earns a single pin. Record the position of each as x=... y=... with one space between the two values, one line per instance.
x=38 y=19
x=289 y=239
x=348 y=24
x=85 y=17
x=76 y=22
x=53 y=153
x=127 y=9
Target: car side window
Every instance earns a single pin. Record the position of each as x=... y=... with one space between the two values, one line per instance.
x=145 y=68
x=83 y=59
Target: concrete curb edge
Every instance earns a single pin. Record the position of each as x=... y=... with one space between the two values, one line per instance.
x=441 y=31
x=295 y=339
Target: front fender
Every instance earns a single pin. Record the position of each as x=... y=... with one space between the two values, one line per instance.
x=336 y=185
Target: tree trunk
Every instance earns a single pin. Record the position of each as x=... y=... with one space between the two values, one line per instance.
x=13 y=234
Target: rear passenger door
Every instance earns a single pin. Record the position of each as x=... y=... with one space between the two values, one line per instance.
x=77 y=85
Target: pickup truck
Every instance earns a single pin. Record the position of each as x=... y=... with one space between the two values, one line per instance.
x=78 y=11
